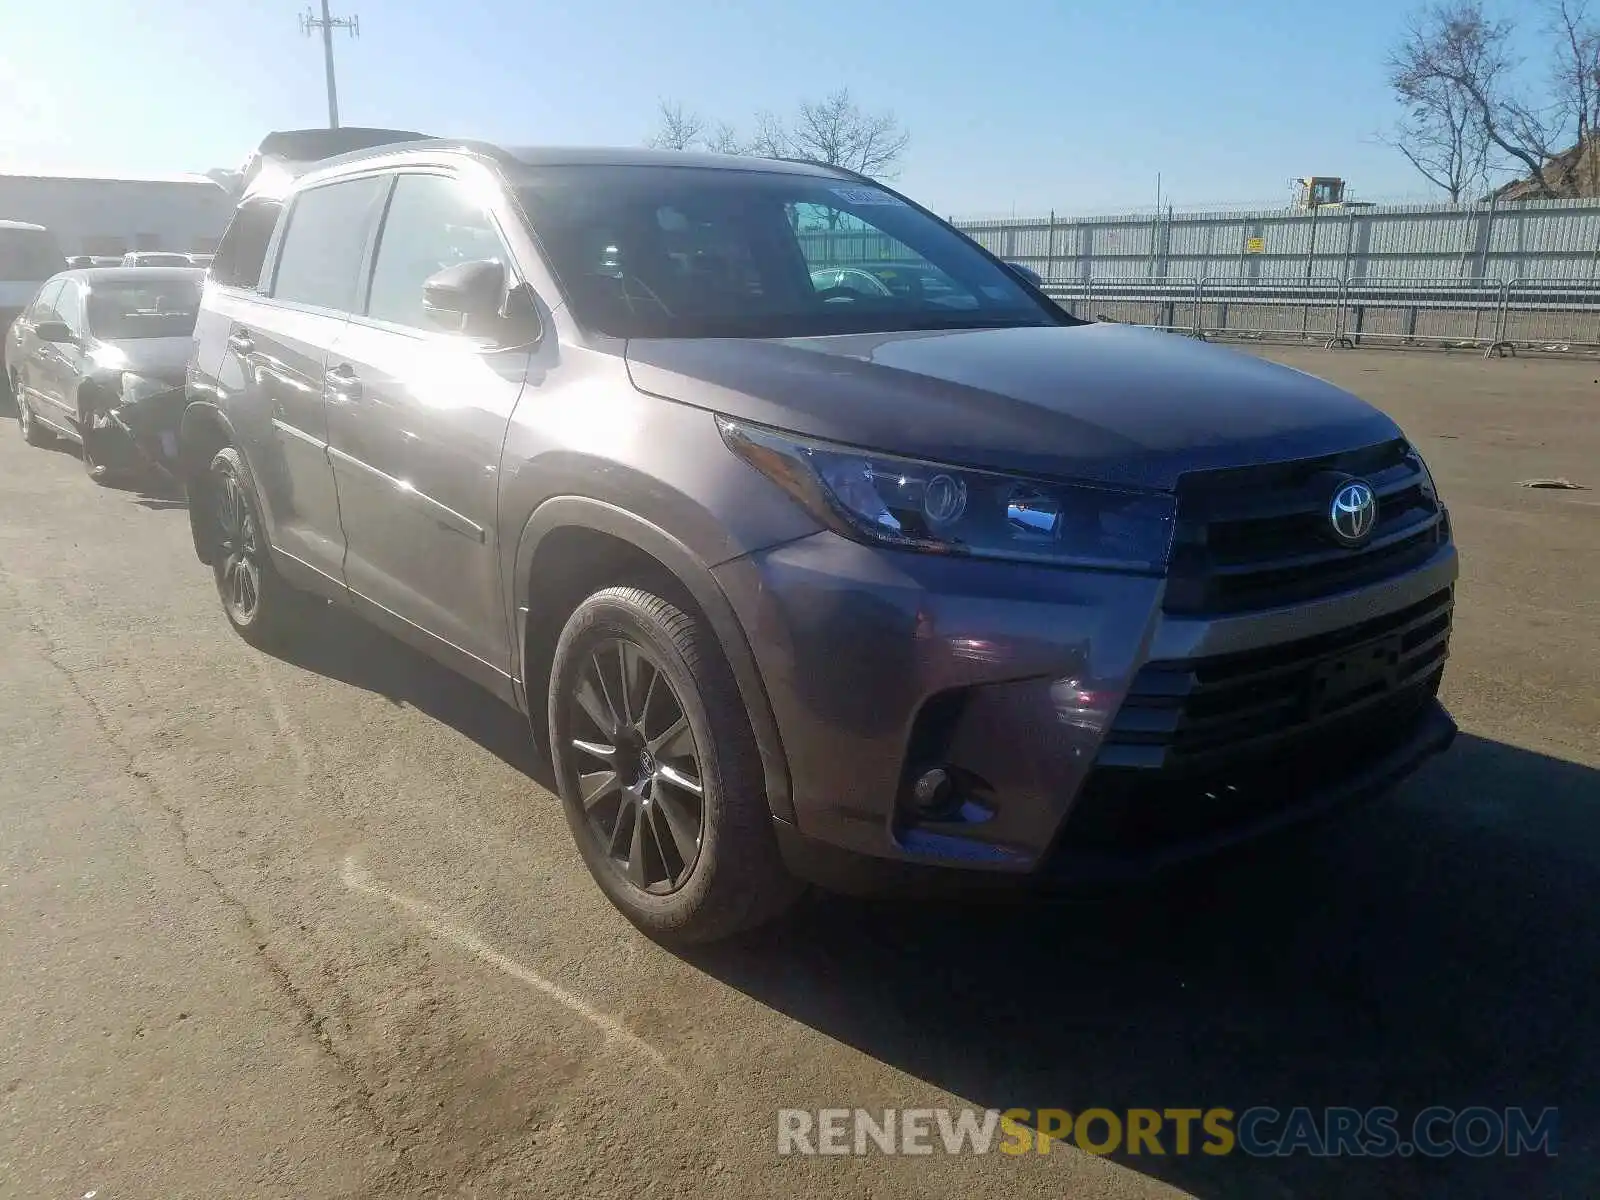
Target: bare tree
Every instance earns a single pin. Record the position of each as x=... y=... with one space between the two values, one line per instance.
x=771 y=139
x=677 y=128
x=1454 y=47
x=1442 y=138
x=837 y=132
x=724 y=139
x=834 y=131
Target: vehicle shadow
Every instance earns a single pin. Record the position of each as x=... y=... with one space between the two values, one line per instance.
x=147 y=486
x=1438 y=948
x=339 y=645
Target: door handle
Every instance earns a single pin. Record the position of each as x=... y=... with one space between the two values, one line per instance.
x=240 y=341
x=342 y=382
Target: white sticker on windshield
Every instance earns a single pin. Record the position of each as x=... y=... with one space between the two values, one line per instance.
x=861 y=195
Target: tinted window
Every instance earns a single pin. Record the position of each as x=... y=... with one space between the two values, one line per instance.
x=243 y=249
x=29 y=254
x=142 y=308
x=69 y=307
x=320 y=261
x=681 y=252
x=431 y=224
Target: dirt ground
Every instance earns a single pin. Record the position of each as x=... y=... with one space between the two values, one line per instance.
x=311 y=926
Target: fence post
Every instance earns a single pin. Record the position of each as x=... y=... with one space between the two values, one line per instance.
x=1050 y=249
x=1199 y=298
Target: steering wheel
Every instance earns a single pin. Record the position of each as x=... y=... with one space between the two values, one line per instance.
x=839 y=292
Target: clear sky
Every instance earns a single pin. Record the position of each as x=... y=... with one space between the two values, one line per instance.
x=1025 y=105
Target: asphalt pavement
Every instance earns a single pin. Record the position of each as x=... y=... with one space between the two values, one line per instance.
x=312 y=925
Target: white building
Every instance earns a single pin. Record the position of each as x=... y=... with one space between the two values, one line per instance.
x=92 y=215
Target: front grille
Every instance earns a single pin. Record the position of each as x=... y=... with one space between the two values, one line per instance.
x=1257 y=537
x=1200 y=745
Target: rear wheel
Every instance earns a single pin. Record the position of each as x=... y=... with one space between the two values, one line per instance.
x=658 y=770
x=259 y=605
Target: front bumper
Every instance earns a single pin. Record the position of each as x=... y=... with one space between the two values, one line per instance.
x=1055 y=698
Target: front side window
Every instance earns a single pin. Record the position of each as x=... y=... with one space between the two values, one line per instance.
x=69 y=308
x=320 y=260
x=143 y=308
x=699 y=252
x=431 y=224
x=44 y=303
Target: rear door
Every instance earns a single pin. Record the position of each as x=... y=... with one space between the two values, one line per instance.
x=417 y=419
x=281 y=343
x=23 y=352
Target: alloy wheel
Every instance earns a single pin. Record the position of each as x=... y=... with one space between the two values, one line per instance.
x=637 y=768
x=241 y=564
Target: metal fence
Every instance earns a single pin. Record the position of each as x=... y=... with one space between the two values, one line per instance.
x=1546 y=239
x=1549 y=315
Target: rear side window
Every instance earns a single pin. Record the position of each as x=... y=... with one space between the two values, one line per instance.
x=320 y=260
x=243 y=249
x=432 y=224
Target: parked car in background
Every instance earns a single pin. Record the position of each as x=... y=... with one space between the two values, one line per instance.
x=99 y=358
x=29 y=254
x=156 y=258
x=800 y=577
x=106 y=260
x=80 y=262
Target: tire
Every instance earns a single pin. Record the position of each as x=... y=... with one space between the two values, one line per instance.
x=92 y=466
x=261 y=607
x=728 y=876
x=33 y=433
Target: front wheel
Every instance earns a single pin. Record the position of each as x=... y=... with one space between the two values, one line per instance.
x=32 y=432
x=259 y=605
x=658 y=770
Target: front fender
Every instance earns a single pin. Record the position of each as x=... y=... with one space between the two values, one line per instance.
x=202 y=431
x=582 y=512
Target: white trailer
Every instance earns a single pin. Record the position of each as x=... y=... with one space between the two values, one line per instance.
x=90 y=215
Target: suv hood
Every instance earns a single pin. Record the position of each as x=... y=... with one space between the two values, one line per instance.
x=1106 y=403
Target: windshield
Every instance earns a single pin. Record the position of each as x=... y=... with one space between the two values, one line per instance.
x=29 y=254
x=161 y=260
x=143 y=308
x=695 y=252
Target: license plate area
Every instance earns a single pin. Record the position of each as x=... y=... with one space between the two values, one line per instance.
x=1352 y=676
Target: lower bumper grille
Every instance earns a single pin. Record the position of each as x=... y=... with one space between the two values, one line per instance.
x=1201 y=745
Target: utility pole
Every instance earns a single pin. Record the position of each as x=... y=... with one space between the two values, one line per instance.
x=309 y=22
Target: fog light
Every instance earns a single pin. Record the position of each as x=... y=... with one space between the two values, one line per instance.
x=932 y=793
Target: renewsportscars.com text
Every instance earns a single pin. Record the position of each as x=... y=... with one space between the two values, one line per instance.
x=1261 y=1131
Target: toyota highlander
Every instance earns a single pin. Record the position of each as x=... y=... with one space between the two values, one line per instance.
x=799 y=579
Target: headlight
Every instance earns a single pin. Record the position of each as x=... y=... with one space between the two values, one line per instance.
x=136 y=388
x=927 y=506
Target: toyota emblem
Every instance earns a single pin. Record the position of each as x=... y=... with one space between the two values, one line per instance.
x=1353 y=513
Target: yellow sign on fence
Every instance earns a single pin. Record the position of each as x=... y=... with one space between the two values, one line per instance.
x=1255 y=245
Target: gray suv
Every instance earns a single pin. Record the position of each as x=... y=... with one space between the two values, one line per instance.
x=801 y=581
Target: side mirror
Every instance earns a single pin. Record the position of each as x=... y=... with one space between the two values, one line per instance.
x=1028 y=274
x=467 y=297
x=54 y=331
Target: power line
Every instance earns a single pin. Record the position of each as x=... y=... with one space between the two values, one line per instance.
x=310 y=23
